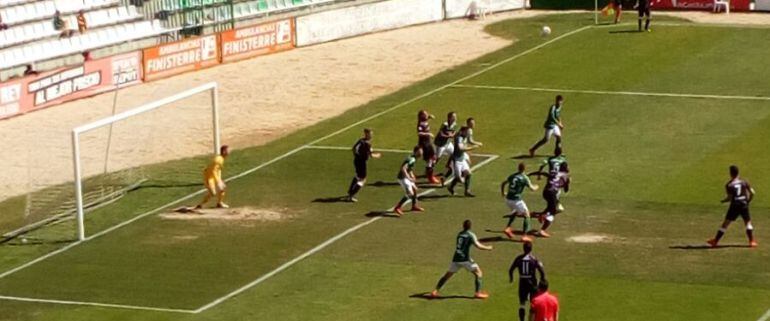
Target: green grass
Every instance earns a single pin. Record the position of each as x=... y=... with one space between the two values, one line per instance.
x=648 y=172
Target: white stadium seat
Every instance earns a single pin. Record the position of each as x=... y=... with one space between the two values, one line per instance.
x=13 y=2
x=102 y=37
x=33 y=31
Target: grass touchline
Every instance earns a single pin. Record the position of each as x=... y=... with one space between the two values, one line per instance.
x=294 y=151
x=603 y=92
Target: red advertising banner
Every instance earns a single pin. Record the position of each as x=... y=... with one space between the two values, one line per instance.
x=69 y=83
x=257 y=40
x=181 y=56
x=737 y=5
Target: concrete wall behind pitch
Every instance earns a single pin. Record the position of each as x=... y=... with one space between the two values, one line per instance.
x=461 y=8
x=362 y=19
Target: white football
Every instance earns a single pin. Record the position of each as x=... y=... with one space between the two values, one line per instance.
x=546 y=31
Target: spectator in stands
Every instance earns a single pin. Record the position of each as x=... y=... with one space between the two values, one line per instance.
x=82 y=26
x=86 y=56
x=60 y=25
x=58 y=22
x=3 y=26
x=30 y=70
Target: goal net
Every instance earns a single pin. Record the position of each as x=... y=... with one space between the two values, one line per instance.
x=111 y=158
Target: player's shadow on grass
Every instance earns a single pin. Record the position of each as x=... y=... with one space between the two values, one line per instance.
x=426 y=296
x=495 y=239
x=624 y=31
x=381 y=214
x=707 y=247
x=383 y=184
x=526 y=156
x=431 y=197
x=335 y=199
x=505 y=238
x=166 y=185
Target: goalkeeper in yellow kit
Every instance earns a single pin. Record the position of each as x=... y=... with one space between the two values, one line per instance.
x=212 y=179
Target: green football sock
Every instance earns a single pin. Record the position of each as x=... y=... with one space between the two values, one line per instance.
x=526 y=225
x=478 y=283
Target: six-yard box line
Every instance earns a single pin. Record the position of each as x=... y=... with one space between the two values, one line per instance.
x=455 y=84
x=294 y=151
x=487 y=159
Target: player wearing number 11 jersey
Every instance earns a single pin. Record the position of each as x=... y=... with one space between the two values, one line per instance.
x=739 y=194
x=527 y=264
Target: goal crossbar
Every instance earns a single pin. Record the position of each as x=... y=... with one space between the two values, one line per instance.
x=76 y=132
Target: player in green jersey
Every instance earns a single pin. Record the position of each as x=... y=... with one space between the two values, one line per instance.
x=553 y=126
x=407 y=180
x=461 y=162
x=462 y=259
x=471 y=124
x=443 y=141
x=468 y=142
x=516 y=184
x=555 y=163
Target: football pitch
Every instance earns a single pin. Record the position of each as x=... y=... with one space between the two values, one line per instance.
x=653 y=120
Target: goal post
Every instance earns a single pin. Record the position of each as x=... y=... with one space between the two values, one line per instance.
x=78 y=131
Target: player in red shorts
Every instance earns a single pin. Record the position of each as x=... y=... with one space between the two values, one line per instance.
x=545 y=306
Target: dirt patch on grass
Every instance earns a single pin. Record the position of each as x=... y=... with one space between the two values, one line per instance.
x=737 y=18
x=590 y=238
x=262 y=99
x=228 y=214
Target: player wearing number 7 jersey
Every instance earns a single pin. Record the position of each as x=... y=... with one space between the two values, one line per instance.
x=462 y=259
x=527 y=264
x=739 y=194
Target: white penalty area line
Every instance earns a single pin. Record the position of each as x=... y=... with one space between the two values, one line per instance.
x=489 y=158
x=296 y=150
x=385 y=150
x=623 y=93
x=319 y=246
x=95 y=304
x=765 y=317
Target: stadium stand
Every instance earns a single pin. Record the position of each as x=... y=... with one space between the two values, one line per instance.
x=44 y=29
x=32 y=37
x=117 y=25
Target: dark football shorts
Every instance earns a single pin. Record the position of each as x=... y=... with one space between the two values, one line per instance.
x=428 y=151
x=552 y=199
x=644 y=12
x=360 y=168
x=527 y=290
x=736 y=211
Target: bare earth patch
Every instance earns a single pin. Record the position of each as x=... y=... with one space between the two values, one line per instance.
x=262 y=99
x=590 y=238
x=739 y=18
x=227 y=214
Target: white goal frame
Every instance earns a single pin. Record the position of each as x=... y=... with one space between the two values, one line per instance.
x=76 y=132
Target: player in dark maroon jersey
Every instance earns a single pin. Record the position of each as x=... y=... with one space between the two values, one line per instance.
x=425 y=141
x=557 y=181
x=643 y=6
x=527 y=264
x=362 y=151
x=739 y=194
